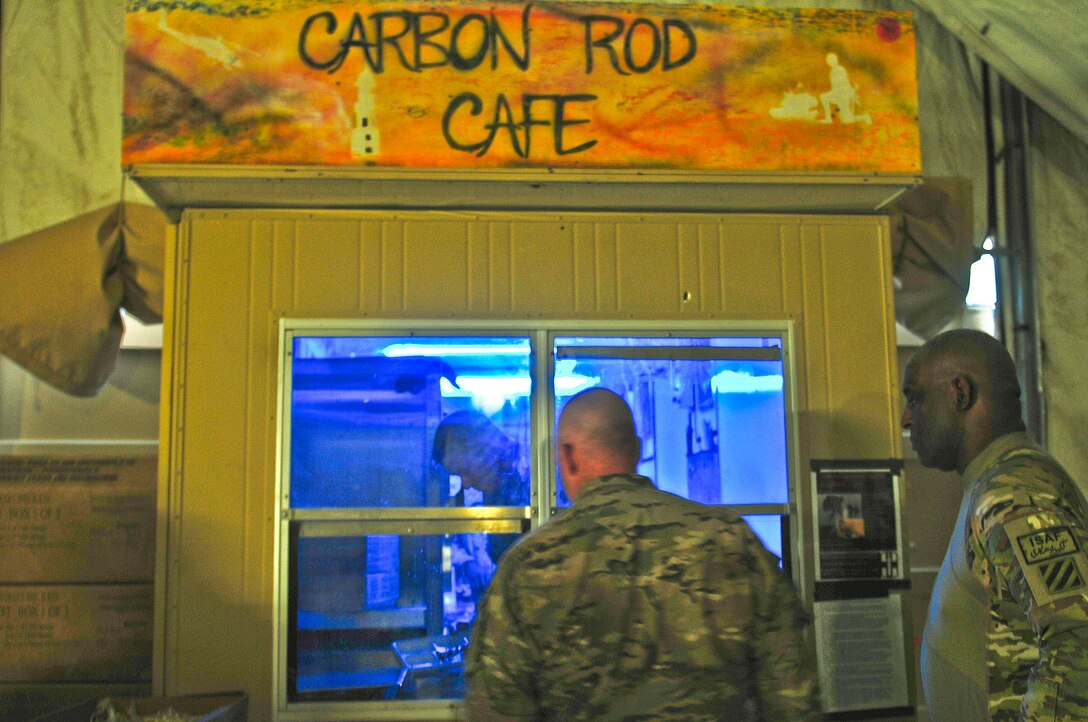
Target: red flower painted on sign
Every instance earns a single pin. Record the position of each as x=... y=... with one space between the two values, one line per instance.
x=888 y=29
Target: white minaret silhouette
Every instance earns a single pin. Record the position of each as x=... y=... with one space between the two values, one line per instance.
x=365 y=139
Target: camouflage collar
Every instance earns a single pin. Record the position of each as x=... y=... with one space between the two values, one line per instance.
x=998 y=448
x=613 y=480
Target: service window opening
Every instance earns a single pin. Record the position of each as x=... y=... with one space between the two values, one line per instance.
x=409 y=470
x=711 y=413
x=386 y=430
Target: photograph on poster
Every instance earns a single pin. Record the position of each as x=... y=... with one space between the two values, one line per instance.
x=858 y=534
x=841 y=516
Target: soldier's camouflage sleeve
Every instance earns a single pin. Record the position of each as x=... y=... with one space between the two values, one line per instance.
x=1033 y=544
x=499 y=669
x=783 y=645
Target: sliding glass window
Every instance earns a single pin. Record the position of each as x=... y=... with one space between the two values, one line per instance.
x=409 y=476
x=711 y=413
x=412 y=460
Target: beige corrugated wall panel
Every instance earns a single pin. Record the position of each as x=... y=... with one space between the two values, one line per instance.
x=488 y=251
x=326 y=255
x=240 y=272
x=220 y=568
x=435 y=271
x=814 y=358
x=851 y=407
x=751 y=263
x=541 y=267
x=258 y=546
x=647 y=267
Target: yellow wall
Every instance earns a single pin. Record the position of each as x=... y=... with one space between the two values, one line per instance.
x=236 y=273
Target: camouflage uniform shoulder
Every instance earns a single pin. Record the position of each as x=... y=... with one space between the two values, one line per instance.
x=621 y=513
x=624 y=500
x=1022 y=481
x=1029 y=466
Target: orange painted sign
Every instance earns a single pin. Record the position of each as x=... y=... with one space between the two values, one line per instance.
x=519 y=85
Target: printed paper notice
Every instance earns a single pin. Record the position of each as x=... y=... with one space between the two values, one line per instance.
x=860 y=654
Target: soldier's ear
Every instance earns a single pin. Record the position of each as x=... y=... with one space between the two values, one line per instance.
x=567 y=462
x=966 y=392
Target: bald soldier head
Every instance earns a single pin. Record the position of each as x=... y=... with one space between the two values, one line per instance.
x=961 y=393
x=596 y=438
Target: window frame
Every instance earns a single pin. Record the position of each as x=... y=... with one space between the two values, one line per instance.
x=542 y=334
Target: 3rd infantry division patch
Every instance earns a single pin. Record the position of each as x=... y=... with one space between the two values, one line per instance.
x=1061 y=576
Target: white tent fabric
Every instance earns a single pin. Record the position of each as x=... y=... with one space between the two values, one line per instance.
x=1040 y=47
x=932 y=253
x=1059 y=179
x=60 y=111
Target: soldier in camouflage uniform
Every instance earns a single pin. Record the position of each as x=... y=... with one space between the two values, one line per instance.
x=1007 y=632
x=468 y=444
x=635 y=604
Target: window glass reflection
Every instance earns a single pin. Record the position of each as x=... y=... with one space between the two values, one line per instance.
x=365 y=412
x=712 y=424
x=439 y=422
x=768 y=527
x=490 y=464
x=383 y=617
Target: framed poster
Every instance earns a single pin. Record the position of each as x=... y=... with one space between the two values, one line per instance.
x=858 y=533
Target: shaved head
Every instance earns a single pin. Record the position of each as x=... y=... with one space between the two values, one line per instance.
x=979 y=356
x=961 y=393
x=596 y=437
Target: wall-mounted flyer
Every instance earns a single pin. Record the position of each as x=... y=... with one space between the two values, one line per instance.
x=858 y=530
x=861 y=657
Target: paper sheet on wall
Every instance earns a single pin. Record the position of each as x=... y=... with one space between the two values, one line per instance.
x=860 y=655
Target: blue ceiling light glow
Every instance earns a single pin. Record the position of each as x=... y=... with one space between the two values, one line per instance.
x=735 y=382
x=452 y=349
x=982 y=287
x=504 y=386
x=567 y=382
x=511 y=386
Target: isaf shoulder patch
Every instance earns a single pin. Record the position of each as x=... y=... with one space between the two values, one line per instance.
x=1051 y=558
x=1045 y=544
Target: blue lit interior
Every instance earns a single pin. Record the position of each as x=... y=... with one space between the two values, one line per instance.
x=713 y=431
x=364 y=412
x=385 y=616
x=768 y=527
